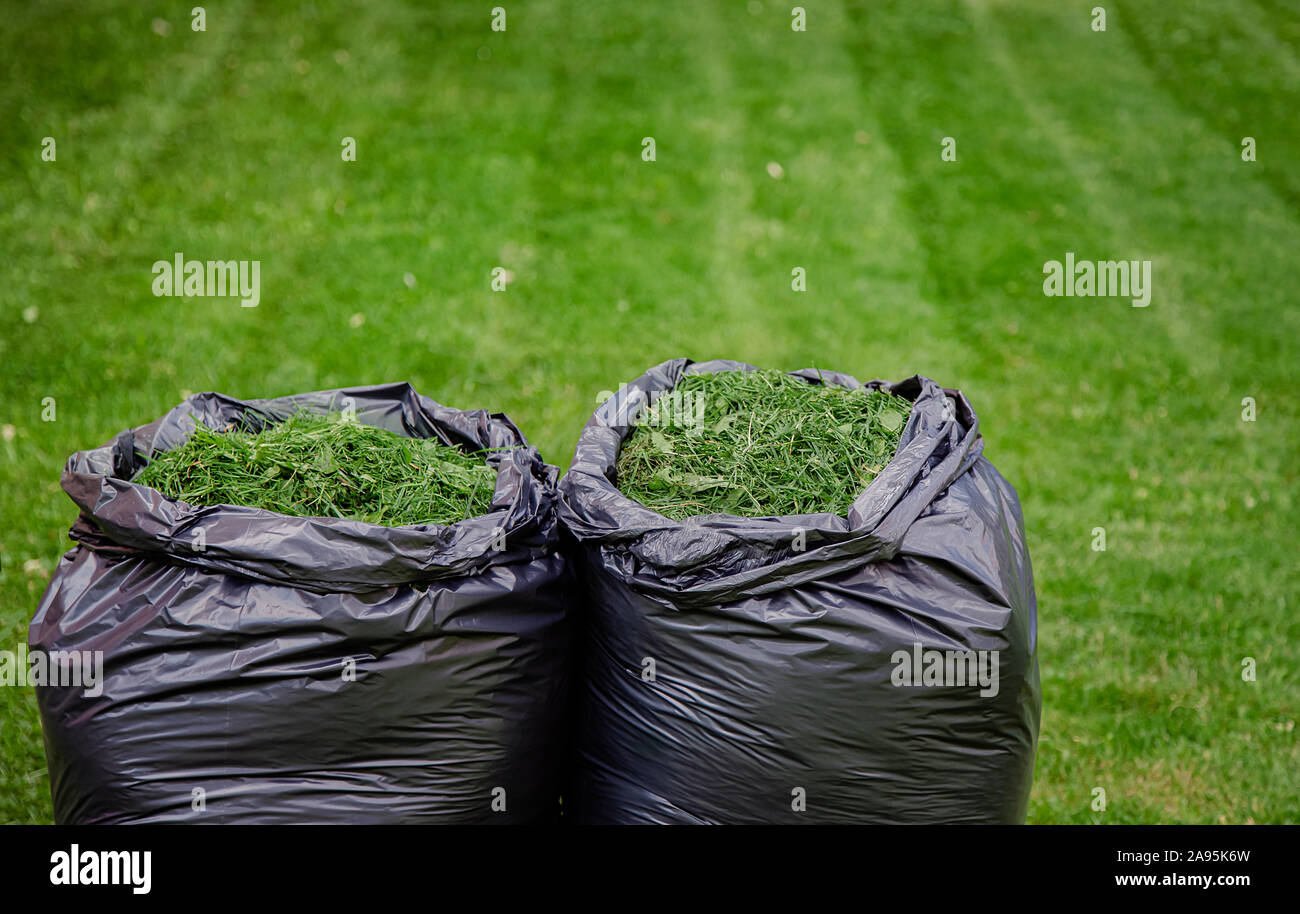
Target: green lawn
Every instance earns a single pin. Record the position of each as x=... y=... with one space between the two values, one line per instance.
x=775 y=149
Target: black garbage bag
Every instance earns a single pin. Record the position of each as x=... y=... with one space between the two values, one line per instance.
x=805 y=669
x=261 y=668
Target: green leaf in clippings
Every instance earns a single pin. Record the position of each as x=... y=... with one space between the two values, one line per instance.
x=891 y=420
x=731 y=504
x=323 y=462
x=698 y=483
x=662 y=480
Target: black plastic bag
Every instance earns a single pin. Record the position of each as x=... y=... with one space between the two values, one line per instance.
x=759 y=670
x=227 y=635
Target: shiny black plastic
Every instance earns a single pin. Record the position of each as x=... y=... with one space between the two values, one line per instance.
x=744 y=670
x=261 y=668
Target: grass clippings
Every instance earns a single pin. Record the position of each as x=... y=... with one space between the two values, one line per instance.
x=759 y=444
x=323 y=466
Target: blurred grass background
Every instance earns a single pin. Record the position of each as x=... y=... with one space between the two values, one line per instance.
x=521 y=149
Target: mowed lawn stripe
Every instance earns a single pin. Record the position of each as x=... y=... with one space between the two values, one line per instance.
x=1148 y=185
x=628 y=249
x=823 y=192
x=1236 y=65
x=114 y=95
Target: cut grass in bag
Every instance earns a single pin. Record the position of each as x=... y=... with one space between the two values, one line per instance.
x=323 y=466
x=780 y=650
x=224 y=630
x=759 y=444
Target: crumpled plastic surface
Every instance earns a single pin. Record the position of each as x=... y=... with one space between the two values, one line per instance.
x=229 y=635
x=733 y=678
